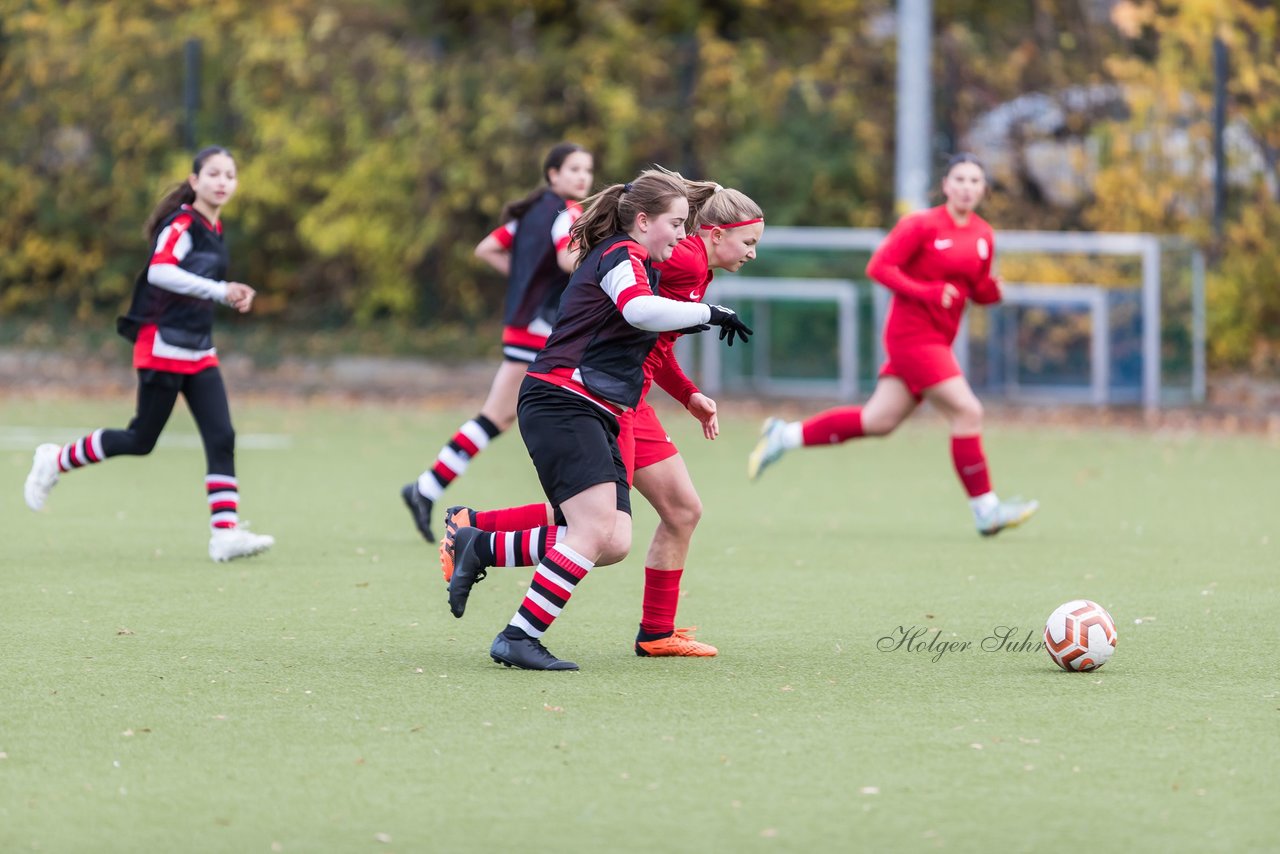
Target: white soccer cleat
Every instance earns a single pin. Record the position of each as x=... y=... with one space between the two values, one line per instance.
x=230 y=543
x=1006 y=514
x=43 y=476
x=769 y=449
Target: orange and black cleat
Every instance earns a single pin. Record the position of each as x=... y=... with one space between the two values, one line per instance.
x=679 y=642
x=454 y=518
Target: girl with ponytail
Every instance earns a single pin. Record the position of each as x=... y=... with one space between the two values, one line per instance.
x=170 y=323
x=532 y=249
x=587 y=382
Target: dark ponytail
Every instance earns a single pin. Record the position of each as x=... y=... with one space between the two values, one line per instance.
x=554 y=160
x=179 y=194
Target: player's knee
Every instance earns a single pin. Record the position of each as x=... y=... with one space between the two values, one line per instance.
x=603 y=540
x=879 y=423
x=143 y=443
x=968 y=417
x=684 y=514
x=222 y=440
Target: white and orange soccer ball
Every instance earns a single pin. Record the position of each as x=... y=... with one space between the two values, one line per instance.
x=1080 y=635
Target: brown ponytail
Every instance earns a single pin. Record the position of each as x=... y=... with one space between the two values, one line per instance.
x=614 y=208
x=179 y=194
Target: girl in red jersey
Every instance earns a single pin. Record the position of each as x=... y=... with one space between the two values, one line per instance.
x=590 y=372
x=727 y=238
x=531 y=248
x=170 y=322
x=933 y=261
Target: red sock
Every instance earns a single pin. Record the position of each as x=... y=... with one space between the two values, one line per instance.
x=971 y=464
x=513 y=518
x=833 y=426
x=661 y=595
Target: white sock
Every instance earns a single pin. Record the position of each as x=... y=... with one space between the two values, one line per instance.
x=428 y=486
x=982 y=505
x=792 y=434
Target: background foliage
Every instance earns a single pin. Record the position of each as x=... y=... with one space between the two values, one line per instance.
x=377 y=141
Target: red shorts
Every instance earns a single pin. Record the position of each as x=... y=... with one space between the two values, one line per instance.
x=642 y=439
x=921 y=366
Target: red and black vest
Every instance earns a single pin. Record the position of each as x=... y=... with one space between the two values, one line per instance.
x=184 y=321
x=592 y=337
x=535 y=281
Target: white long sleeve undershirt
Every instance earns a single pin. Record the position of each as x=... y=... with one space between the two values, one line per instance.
x=659 y=314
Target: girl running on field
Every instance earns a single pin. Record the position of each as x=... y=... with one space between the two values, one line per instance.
x=590 y=372
x=933 y=261
x=170 y=323
x=732 y=225
x=531 y=248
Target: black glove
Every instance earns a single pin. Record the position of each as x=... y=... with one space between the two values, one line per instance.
x=730 y=324
x=692 y=330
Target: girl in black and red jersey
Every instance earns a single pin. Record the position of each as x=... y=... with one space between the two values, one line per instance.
x=531 y=248
x=170 y=322
x=731 y=228
x=591 y=372
x=933 y=261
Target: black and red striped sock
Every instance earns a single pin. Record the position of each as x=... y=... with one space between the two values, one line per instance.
x=519 y=548
x=553 y=584
x=82 y=452
x=453 y=459
x=224 y=500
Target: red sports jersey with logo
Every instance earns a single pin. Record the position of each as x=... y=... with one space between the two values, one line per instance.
x=685 y=277
x=924 y=252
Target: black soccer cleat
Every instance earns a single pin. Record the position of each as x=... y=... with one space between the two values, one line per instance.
x=526 y=653
x=467 y=568
x=420 y=509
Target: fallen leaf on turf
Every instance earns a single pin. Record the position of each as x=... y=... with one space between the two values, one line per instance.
x=362 y=584
x=976 y=746
x=551 y=708
x=869 y=790
x=127 y=733
x=382 y=837
x=124 y=631
x=769 y=833
x=276 y=846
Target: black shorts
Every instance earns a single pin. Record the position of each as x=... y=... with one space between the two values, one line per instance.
x=573 y=443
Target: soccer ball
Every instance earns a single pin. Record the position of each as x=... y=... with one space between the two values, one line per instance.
x=1080 y=635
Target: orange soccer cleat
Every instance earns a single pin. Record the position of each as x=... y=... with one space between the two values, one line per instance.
x=454 y=518
x=679 y=642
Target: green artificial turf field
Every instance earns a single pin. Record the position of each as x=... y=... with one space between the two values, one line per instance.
x=322 y=698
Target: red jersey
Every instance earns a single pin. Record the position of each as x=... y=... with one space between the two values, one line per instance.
x=684 y=276
x=924 y=252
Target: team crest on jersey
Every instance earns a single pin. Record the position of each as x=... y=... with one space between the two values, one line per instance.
x=984 y=248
